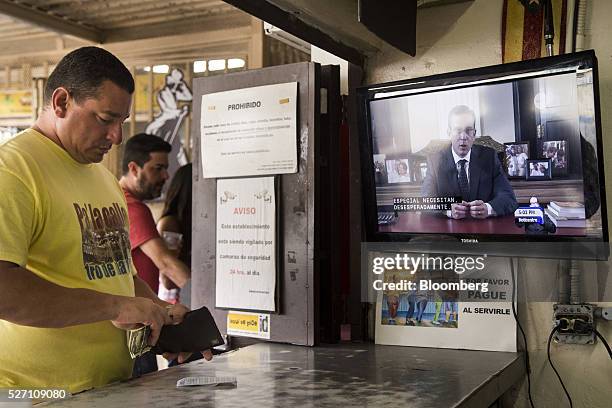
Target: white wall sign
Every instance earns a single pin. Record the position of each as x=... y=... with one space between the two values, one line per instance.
x=447 y=319
x=246 y=244
x=250 y=131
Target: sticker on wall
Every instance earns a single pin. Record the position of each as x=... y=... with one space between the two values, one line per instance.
x=247 y=324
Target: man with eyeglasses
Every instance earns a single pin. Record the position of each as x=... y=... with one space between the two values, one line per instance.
x=469 y=171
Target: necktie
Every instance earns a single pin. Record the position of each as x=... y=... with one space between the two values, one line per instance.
x=464 y=185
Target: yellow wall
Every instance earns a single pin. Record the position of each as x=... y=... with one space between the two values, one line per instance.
x=142 y=93
x=15 y=103
x=468 y=35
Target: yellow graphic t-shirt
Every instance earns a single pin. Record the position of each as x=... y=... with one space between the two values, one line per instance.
x=67 y=223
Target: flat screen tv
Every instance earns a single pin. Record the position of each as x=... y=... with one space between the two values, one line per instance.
x=452 y=157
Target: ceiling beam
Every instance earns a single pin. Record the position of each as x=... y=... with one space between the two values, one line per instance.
x=291 y=23
x=188 y=26
x=436 y=3
x=51 y=22
x=97 y=9
x=170 y=46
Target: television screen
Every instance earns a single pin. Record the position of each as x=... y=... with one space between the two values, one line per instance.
x=496 y=154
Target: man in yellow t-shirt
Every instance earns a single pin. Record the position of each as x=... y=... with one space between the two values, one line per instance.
x=69 y=288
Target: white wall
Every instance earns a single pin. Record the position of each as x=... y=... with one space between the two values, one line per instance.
x=429 y=114
x=497 y=112
x=424 y=117
x=468 y=35
x=421 y=118
x=449 y=38
x=392 y=135
x=325 y=58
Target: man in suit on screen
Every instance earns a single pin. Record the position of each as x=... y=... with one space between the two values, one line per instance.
x=473 y=173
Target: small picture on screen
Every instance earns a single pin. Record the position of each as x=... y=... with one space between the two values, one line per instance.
x=516 y=156
x=380 y=171
x=420 y=170
x=539 y=169
x=398 y=171
x=556 y=151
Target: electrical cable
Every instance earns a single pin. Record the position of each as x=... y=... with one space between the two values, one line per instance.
x=556 y=328
x=527 y=365
x=603 y=340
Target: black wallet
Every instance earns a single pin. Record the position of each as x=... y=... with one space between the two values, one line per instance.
x=197 y=332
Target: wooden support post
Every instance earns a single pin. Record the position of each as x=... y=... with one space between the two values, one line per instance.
x=133 y=108
x=151 y=93
x=256 y=57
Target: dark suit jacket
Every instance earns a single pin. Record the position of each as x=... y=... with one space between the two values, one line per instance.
x=487 y=179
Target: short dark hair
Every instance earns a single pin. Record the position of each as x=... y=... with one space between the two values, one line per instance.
x=82 y=72
x=139 y=147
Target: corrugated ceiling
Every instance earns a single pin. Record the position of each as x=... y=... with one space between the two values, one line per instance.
x=43 y=30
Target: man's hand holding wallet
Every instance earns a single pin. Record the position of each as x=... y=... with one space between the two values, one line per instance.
x=192 y=331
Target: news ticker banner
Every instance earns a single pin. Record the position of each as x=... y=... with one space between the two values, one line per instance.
x=532 y=217
x=434 y=204
x=246 y=244
x=527 y=214
x=250 y=131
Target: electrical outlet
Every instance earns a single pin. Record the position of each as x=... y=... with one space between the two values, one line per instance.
x=577 y=323
x=603 y=313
